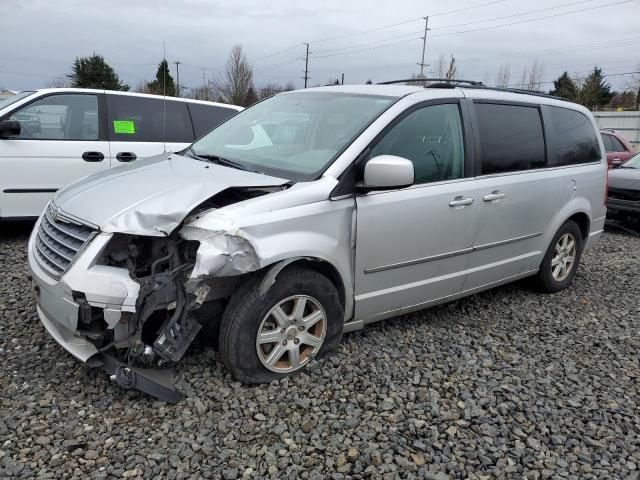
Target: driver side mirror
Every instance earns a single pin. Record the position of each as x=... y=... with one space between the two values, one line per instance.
x=388 y=171
x=9 y=128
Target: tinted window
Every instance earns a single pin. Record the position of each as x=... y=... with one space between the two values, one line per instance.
x=59 y=117
x=207 y=117
x=432 y=139
x=608 y=146
x=511 y=138
x=572 y=138
x=139 y=119
x=617 y=145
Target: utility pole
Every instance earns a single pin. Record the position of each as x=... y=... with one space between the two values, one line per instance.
x=204 y=78
x=343 y=79
x=177 y=78
x=424 y=46
x=306 y=66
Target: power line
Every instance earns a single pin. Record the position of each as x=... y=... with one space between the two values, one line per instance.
x=491 y=27
x=384 y=27
x=338 y=52
x=513 y=15
x=373 y=42
x=276 y=53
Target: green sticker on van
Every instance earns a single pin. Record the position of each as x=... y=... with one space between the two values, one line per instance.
x=125 y=127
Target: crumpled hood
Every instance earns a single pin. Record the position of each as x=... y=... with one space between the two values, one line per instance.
x=151 y=196
x=625 y=178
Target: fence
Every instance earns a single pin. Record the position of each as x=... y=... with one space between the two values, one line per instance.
x=626 y=124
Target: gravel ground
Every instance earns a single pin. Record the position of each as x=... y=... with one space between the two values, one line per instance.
x=506 y=384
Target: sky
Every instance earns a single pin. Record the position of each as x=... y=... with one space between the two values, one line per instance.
x=377 y=40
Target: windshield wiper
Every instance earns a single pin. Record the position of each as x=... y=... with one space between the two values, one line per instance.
x=221 y=161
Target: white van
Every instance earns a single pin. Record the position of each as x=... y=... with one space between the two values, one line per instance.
x=52 y=137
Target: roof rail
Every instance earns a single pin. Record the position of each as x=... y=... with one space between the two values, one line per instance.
x=518 y=90
x=451 y=83
x=446 y=80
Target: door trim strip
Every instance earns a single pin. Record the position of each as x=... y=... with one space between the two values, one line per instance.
x=454 y=253
x=30 y=190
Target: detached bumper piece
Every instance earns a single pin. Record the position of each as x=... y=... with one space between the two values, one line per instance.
x=157 y=383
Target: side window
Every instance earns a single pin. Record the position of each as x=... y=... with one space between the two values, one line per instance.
x=511 y=138
x=571 y=136
x=617 y=144
x=59 y=117
x=140 y=119
x=608 y=146
x=432 y=139
x=207 y=117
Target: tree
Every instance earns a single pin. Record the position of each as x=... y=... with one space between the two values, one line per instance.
x=61 y=81
x=564 y=86
x=451 y=70
x=163 y=84
x=237 y=78
x=595 y=91
x=368 y=82
x=94 y=72
x=504 y=75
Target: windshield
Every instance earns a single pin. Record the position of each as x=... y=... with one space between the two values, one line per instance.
x=13 y=99
x=293 y=135
x=633 y=162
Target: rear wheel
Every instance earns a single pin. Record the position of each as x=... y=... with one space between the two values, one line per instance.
x=266 y=337
x=561 y=261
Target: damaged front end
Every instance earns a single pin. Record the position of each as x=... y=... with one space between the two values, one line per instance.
x=168 y=313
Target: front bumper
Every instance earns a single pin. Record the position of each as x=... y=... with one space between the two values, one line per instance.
x=619 y=205
x=103 y=286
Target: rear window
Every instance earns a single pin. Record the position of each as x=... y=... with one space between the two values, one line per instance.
x=511 y=138
x=571 y=136
x=207 y=117
x=139 y=119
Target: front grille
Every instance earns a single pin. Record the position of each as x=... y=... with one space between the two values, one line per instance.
x=624 y=194
x=58 y=241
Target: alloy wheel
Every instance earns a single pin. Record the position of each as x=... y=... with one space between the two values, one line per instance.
x=291 y=334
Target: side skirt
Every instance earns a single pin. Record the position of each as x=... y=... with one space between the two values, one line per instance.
x=359 y=324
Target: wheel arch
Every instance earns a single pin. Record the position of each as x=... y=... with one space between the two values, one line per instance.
x=318 y=265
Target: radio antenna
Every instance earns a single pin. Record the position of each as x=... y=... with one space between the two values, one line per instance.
x=164 y=96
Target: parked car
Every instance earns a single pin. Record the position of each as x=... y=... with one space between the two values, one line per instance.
x=51 y=137
x=364 y=203
x=623 y=197
x=618 y=148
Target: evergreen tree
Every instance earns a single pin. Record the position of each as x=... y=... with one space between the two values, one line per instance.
x=94 y=72
x=565 y=87
x=162 y=76
x=595 y=91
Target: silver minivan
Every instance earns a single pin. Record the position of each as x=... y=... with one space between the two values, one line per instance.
x=311 y=214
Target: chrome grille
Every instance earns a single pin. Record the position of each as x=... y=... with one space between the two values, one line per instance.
x=58 y=241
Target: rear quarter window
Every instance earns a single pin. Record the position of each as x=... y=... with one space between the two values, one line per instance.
x=140 y=119
x=207 y=117
x=510 y=137
x=572 y=138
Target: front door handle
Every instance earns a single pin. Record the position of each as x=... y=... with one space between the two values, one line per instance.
x=92 y=156
x=494 y=196
x=126 y=156
x=461 y=201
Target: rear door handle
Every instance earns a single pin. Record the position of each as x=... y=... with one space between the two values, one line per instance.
x=494 y=196
x=461 y=201
x=92 y=156
x=126 y=156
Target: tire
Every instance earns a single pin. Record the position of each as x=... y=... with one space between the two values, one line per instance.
x=546 y=279
x=249 y=313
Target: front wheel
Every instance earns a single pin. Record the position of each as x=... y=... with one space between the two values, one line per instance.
x=561 y=261
x=266 y=337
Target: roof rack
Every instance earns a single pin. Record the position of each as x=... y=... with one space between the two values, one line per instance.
x=452 y=83
x=445 y=80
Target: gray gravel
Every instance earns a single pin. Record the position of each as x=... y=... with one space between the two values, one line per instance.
x=506 y=384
